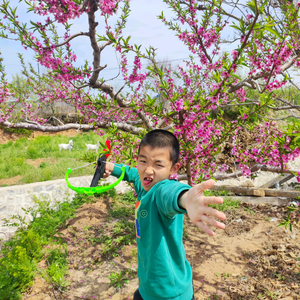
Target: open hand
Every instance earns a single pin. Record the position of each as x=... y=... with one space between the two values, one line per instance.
x=197 y=208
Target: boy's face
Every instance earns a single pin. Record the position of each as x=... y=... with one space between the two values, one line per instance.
x=155 y=165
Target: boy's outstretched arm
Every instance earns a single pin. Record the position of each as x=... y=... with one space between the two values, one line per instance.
x=196 y=205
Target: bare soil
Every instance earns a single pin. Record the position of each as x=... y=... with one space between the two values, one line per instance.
x=252 y=258
x=37 y=162
x=10 y=181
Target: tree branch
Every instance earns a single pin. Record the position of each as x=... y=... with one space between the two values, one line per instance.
x=69 y=39
x=108 y=89
x=83 y=5
x=45 y=128
x=256 y=168
x=283 y=118
x=96 y=49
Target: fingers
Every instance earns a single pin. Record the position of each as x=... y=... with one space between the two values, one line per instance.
x=209 y=211
x=205 y=185
x=212 y=200
x=206 y=218
x=209 y=221
x=106 y=174
x=203 y=226
x=212 y=222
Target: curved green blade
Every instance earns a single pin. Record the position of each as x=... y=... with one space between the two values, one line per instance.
x=93 y=190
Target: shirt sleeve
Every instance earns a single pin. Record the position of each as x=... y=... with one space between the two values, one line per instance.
x=131 y=176
x=167 y=197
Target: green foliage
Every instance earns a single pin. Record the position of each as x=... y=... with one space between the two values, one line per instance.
x=293 y=213
x=17 y=266
x=43 y=164
x=228 y=204
x=89 y=156
x=20 y=255
x=58 y=264
x=123 y=231
x=249 y=211
x=111 y=193
x=216 y=193
x=118 y=279
x=20 y=86
x=17 y=131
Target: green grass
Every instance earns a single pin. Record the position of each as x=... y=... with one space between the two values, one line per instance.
x=14 y=156
x=228 y=204
x=19 y=256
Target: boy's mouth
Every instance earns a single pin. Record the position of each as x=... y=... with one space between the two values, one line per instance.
x=147 y=181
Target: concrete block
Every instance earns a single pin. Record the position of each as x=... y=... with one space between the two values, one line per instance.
x=50 y=188
x=26 y=205
x=14 y=199
x=59 y=192
x=10 y=209
x=3 y=200
x=2 y=209
x=4 y=215
x=20 y=192
x=37 y=189
x=44 y=196
x=2 y=235
x=27 y=199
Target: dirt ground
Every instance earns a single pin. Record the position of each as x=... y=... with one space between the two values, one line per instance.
x=252 y=258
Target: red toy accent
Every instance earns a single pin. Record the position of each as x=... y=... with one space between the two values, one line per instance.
x=107 y=144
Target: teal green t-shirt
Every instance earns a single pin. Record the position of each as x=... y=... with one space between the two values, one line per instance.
x=163 y=270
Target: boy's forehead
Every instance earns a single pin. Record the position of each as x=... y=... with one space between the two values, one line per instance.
x=157 y=152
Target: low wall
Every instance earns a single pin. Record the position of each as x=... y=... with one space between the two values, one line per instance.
x=14 y=198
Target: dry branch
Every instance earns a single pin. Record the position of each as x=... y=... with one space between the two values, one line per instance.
x=259 y=192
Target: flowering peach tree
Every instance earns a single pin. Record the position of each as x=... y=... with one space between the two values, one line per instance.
x=264 y=52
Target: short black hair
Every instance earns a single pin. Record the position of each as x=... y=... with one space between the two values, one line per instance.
x=159 y=138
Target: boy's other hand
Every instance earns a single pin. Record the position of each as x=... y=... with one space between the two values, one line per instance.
x=106 y=174
x=109 y=167
x=196 y=205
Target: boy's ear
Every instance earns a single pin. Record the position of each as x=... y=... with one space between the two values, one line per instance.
x=175 y=168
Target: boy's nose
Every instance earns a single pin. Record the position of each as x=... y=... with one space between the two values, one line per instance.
x=149 y=171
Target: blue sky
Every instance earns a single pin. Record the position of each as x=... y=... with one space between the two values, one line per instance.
x=143 y=26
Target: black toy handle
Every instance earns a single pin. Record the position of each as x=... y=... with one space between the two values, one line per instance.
x=99 y=170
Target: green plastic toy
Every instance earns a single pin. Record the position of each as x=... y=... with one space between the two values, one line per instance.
x=100 y=170
x=96 y=189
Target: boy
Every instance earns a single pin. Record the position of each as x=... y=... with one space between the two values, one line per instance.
x=163 y=270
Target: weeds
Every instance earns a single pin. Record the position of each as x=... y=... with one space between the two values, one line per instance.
x=217 y=193
x=57 y=266
x=18 y=131
x=249 y=211
x=118 y=279
x=113 y=238
x=20 y=255
x=228 y=204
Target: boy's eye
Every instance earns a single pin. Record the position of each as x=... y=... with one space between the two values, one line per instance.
x=159 y=165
